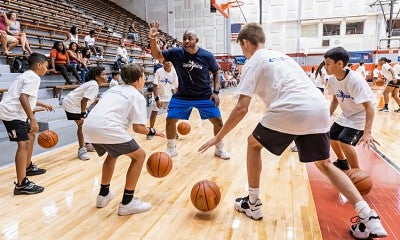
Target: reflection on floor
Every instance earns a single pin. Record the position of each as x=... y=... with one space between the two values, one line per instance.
x=334 y=212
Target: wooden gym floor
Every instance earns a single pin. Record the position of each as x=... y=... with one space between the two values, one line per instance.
x=298 y=201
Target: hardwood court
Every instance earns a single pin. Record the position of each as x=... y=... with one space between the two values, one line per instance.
x=66 y=209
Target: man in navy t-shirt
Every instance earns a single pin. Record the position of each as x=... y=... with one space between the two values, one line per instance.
x=192 y=64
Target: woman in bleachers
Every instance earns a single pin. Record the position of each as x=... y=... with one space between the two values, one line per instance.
x=59 y=61
x=75 y=57
x=14 y=29
x=85 y=63
x=72 y=36
x=132 y=33
x=121 y=56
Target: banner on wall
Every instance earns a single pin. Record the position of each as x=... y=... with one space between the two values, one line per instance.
x=361 y=56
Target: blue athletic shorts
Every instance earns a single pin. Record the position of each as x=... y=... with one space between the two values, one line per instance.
x=181 y=109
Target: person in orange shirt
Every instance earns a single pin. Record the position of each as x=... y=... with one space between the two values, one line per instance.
x=59 y=61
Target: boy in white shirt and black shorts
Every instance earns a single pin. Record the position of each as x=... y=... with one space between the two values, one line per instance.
x=16 y=111
x=295 y=111
x=106 y=128
x=77 y=101
x=351 y=91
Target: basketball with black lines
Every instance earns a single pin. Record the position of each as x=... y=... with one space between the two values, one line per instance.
x=159 y=164
x=361 y=180
x=205 y=195
x=47 y=139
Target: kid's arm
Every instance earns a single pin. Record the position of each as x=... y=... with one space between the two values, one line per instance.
x=45 y=106
x=84 y=102
x=367 y=138
x=333 y=106
x=23 y=98
x=142 y=129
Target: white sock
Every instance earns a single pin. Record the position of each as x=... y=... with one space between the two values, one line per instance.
x=220 y=145
x=254 y=194
x=363 y=209
x=171 y=143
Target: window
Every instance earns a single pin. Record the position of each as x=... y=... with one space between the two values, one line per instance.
x=331 y=29
x=354 y=28
x=309 y=30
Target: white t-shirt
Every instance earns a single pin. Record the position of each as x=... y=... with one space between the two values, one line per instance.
x=351 y=92
x=121 y=53
x=113 y=83
x=361 y=70
x=320 y=80
x=386 y=71
x=74 y=38
x=293 y=104
x=72 y=102
x=10 y=106
x=90 y=40
x=396 y=69
x=165 y=81
x=375 y=72
x=116 y=111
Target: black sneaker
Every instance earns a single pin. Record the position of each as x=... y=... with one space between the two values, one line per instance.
x=342 y=164
x=384 y=110
x=33 y=170
x=397 y=111
x=27 y=188
x=253 y=211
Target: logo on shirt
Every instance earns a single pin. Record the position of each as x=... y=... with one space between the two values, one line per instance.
x=342 y=95
x=165 y=81
x=191 y=64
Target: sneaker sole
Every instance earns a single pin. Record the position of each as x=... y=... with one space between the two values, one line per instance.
x=249 y=216
x=27 y=193
x=222 y=158
x=35 y=173
x=130 y=213
x=371 y=236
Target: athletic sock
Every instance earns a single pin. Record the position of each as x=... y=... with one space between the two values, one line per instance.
x=254 y=194
x=363 y=209
x=220 y=145
x=171 y=143
x=104 y=190
x=128 y=195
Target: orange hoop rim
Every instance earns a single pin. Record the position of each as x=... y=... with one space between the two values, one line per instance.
x=234 y=4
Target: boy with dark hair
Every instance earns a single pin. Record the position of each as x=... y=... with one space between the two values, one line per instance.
x=356 y=99
x=115 y=79
x=16 y=111
x=77 y=101
x=90 y=41
x=295 y=111
x=106 y=128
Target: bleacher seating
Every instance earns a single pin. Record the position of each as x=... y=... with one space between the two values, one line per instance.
x=46 y=21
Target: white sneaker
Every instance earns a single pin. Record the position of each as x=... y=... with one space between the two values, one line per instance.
x=149 y=137
x=368 y=228
x=89 y=147
x=294 y=148
x=172 y=151
x=103 y=200
x=82 y=154
x=222 y=153
x=135 y=206
x=253 y=211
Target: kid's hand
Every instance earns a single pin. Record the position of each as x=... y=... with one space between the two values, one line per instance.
x=159 y=104
x=367 y=140
x=214 y=97
x=48 y=107
x=34 y=127
x=159 y=134
x=212 y=142
x=154 y=26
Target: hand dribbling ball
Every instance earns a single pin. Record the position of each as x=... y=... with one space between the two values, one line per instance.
x=380 y=82
x=159 y=164
x=47 y=139
x=205 y=195
x=184 y=128
x=361 y=180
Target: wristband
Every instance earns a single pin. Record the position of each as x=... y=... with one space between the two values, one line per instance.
x=153 y=38
x=152 y=131
x=216 y=92
x=83 y=114
x=156 y=99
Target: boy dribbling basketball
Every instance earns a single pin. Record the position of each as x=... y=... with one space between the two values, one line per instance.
x=16 y=111
x=106 y=128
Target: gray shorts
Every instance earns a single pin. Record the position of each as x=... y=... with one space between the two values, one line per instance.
x=310 y=147
x=116 y=150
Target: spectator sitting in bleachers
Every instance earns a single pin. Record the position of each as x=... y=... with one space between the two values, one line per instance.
x=5 y=38
x=14 y=29
x=85 y=63
x=222 y=80
x=59 y=61
x=72 y=36
x=121 y=56
x=90 y=43
x=132 y=33
x=75 y=57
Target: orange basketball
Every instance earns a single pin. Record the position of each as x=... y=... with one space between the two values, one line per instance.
x=47 y=139
x=159 y=164
x=380 y=82
x=205 y=195
x=184 y=128
x=360 y=179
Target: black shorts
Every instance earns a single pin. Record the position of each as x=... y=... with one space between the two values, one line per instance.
x=116 y=150
x=346 y=135
x=17 y=130
x=395 y=85
x=73 y=116
x=310 y=147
